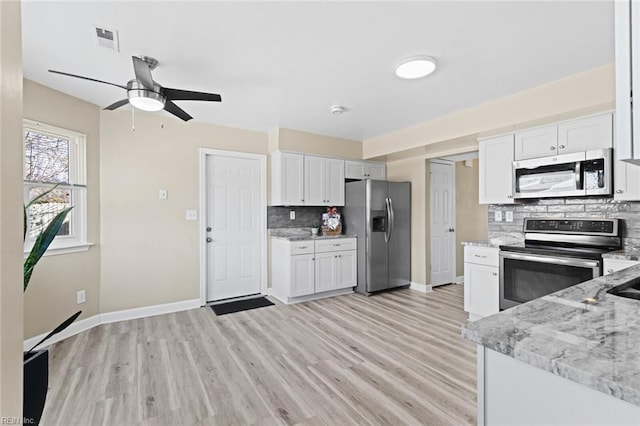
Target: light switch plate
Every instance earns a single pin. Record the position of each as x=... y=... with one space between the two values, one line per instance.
x=163 y=194
x=497 y=216
x=81 y=297
x=191 y=215
x=509 y=216
x=292 y=214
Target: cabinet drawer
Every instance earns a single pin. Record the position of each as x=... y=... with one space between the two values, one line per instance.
x=481 y=255
x=302 y=247
x=610 y=266
x=336 y=244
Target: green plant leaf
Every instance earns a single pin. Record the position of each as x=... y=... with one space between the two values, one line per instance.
x=25 y=220
x=43 y=241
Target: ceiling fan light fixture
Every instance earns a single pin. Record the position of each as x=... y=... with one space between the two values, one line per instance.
x=415 y=67
x=146 y=100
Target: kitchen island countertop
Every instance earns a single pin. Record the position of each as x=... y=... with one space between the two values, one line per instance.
x=581 y=333
x=623 y=255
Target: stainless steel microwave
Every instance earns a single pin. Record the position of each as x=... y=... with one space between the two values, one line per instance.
x=568 y=175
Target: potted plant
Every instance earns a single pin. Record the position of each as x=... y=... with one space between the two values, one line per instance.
x=315 y=228
x=36 y=363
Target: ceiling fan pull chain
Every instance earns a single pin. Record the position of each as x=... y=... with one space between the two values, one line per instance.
x=133 y=119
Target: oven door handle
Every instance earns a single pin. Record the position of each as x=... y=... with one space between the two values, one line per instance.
x=552 y=259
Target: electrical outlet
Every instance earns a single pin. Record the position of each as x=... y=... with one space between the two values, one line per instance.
x=163 y=194
x=509 y=216
x=292 y=214
x=81 y=297
x=497 y=216
x=191 y=215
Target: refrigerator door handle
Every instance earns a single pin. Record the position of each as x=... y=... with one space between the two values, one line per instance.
x=387 y=227
x=392 y=218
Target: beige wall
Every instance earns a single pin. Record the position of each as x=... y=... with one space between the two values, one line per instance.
x=471 y=217
x=51 y=296
x=149 y=251
x=11 y=320
x=310 y=143
x=416 y=172
x=590 y=91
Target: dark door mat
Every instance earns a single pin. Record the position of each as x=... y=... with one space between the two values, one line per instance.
x=240 y=305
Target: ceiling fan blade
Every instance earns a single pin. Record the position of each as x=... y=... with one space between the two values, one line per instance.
x=176 y=110
x=117 y=105
x=143 y=72
x=87 y=78
x=187 y=95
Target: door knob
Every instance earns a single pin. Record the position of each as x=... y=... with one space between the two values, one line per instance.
x=552 y=148
x=618 y=191
x=561 y=147
x=209 y=239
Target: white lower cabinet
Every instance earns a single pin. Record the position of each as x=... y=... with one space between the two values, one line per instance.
x=304 y=270
x=610 y=266
x=481 y=281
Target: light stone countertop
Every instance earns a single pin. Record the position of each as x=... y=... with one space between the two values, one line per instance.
x=623 y=255
x=596 y=345
x=301 y=234
x=492 y=243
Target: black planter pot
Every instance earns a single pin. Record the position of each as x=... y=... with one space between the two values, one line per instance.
x=36 y=382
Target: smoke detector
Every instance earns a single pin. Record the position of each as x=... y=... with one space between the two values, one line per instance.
x=337 y=109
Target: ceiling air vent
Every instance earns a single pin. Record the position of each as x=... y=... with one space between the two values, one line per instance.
x=106 y=38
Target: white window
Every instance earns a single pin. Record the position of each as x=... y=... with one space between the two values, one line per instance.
x=55 y=156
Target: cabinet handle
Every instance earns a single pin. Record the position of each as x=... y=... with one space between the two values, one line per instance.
x=561 y=147
x=609 y=271
x=494 y=273
x=482 y=257
x=302 y=199
x=619 y=191
x=313 y=258
x=509 y=196
x=302 y=247
x=552 y=148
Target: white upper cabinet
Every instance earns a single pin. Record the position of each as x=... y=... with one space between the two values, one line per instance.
x=538 y=142
x=287 y=175
x=626 y=181
x=323 y=181
x=306 y=180
x=627 y=37
x=583 y=134
x=586 y=134
x=364 y=170
x=496 y=173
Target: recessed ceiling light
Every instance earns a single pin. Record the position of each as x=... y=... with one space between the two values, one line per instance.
x=415 y=67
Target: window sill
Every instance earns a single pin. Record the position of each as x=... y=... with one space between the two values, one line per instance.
x=63 y=249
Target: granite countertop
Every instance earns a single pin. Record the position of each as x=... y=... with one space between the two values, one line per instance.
x=298 y=234
x=623 y=255
x=595 y=344
x=492 y=243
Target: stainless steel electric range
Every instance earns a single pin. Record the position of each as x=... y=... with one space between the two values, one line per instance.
x=556 y=254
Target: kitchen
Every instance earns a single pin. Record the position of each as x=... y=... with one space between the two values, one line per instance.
x=405 y=153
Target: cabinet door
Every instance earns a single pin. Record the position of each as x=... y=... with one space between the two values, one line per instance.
x=346 y=271
x=302 y=275
x=496 y=170
x=610 y=266
x=538 y=142
x=326 y=271
x=354 y=170
x=481 y=289
x=314 y=181
x=292 y=177
x=626 y=180
x=377 y=171
x=585 y=134
x=334 y=182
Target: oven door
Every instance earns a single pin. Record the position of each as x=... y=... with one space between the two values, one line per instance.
x=525 y=277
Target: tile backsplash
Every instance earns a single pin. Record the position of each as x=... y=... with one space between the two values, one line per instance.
x=278 y=217
x=627 y=211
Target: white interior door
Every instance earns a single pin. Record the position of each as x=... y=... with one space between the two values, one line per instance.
x=443 y=222
x=233 y=227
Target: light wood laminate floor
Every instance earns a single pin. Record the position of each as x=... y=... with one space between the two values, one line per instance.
x=395 y=358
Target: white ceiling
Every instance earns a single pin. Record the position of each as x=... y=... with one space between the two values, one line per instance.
x=284 y=64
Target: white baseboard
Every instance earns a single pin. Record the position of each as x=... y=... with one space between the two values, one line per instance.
x=109 y=317
x=459 y=280
x=423 y=288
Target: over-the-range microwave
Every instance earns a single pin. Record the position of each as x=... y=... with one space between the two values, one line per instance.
x=568 y=175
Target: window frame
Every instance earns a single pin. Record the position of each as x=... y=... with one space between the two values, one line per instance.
x=77 y=241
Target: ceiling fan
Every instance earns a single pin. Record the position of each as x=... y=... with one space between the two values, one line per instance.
x=147 y=95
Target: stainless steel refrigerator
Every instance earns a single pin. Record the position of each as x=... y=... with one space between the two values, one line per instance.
x=379 y=213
